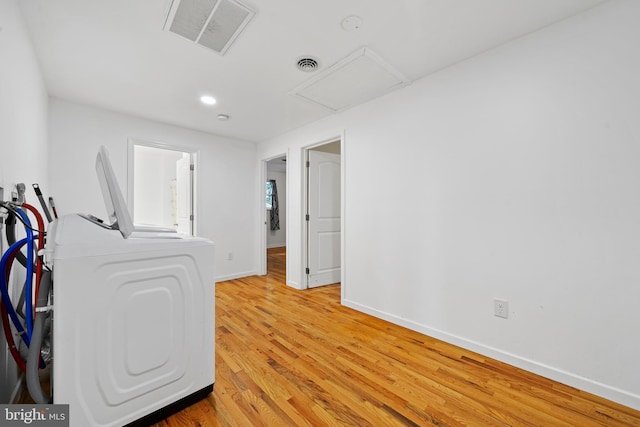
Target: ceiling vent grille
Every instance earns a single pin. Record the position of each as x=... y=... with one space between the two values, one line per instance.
x=307 y=64
x=214 y=24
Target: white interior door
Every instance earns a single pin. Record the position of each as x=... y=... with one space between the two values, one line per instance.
x=184 y=193
x=323 y=225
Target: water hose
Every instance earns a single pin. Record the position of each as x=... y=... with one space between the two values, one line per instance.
x=28 y=284
x=33 y=358
x=5 y=266
x=40 y=222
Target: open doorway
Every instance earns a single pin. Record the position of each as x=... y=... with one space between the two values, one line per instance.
x=276 y=216
x=323 y=217
x=161 y=182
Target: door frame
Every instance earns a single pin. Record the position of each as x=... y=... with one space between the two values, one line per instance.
x=131 y=142
x=304 y=205
x=262 y=255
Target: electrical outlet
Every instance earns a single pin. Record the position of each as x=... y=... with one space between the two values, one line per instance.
x=230 y=256
x=501 y=308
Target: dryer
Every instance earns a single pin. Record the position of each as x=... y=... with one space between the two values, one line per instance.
x=133 y=316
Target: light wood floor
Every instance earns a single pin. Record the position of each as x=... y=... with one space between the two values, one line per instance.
x=298 y=358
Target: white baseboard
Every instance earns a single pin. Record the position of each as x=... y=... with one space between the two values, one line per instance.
x=277 y=245
x=235 y=276
x=603 y=390
x=294 y=285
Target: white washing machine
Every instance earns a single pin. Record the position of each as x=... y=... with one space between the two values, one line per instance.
x=133 y=319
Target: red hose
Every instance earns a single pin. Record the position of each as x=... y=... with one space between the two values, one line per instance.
x=7 y=334
x=41 y=231
x=3 y=309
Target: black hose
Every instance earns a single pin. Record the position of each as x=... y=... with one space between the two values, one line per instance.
x=10 y=231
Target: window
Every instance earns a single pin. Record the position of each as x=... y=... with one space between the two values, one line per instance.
x=269 y=192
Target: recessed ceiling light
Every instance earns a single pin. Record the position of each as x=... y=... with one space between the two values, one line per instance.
x=223 y=117
x=207 y=100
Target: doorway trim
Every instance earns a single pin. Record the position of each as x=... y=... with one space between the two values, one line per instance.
x=195 y=155
x=262 y=255
x=305 y=188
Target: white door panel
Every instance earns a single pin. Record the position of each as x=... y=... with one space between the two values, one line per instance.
x=324 y=219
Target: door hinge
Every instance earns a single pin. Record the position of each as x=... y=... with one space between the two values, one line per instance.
x=307 y=270
x=308 y=163
x=192 y=167
x=307 y=217
x=190 y=217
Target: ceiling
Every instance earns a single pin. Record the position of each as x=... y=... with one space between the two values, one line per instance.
x=116 y=54
x=277 y=165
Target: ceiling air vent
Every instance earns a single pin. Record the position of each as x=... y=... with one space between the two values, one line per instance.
x=211 y=23
x=358 y=78
x=307 y=64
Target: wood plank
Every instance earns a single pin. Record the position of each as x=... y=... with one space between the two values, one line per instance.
x=299 y=358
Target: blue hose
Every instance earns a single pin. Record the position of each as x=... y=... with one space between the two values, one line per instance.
x=28 y=285
x=4 y=290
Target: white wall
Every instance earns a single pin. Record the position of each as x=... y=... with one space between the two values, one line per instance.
x=512 y=175
x=23 y=106
x=225 y=187
x=277 y=238
x=23 y=131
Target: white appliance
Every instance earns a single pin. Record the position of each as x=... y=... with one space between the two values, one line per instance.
x=133 y=316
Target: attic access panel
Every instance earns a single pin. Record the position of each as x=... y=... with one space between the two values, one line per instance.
x=358 y=78
x=214 y=24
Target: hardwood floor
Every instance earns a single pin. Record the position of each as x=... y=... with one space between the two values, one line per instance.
x=298 y=358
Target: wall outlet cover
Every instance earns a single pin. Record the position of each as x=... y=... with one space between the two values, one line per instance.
x=501 y=308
